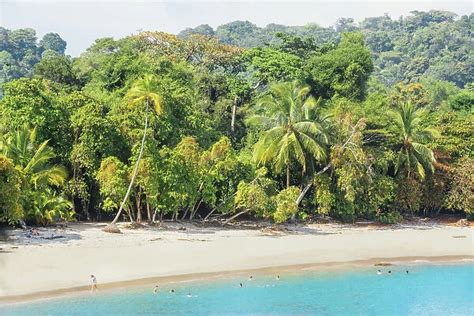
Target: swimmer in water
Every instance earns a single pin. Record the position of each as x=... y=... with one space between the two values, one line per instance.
x=278 y=278
x=241 y=285
x=406 y=271
x=172 y=291
x=389 y=271
x=379 y=272
x=250 y=278
x=155 y=289
x=189 y=295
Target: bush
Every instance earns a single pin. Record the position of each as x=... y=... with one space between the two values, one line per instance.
x=462 y=101
x=343 y=210
x=390 y=217
x=286 y=206
x=323 y=197
x=461 y=195
x=46 y=207
x=252 y=197
x=10 y=182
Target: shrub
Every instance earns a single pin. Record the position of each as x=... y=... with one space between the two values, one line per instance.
x=461 y=195
x=10 y=182
x=286 y=206
x=390 y=217
x=46 y=207
x=252 y=197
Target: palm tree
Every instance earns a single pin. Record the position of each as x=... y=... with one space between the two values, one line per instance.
x=293 y=130
x=413 y=154
x=33 y=161
x=143 y=92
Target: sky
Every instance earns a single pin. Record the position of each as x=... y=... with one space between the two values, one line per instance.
x=81 y=22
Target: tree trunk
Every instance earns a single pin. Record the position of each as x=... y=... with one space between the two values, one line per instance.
x=154 y=215
x=235 y=216
x=234 y=111
x=134 y=175
x=130 y=215
x=209 y=214
x=185 y=213
x=148 y=212
x=138 y=201
x=139 y=215
x=195 y=210
x=287 y=175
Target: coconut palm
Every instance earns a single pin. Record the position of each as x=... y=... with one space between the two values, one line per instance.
x=413 y=156
x=143 y=92
x=32 y=160
x=293 y=130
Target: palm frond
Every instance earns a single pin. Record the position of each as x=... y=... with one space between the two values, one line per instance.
x=145 y=90
x=54 y=175
x=42 y=155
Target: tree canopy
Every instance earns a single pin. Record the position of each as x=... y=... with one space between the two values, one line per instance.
x=369 y=120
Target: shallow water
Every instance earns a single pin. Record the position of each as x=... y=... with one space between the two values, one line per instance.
x=426 y=290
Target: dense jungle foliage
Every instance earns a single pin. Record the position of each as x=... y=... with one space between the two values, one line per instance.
x=360 y=121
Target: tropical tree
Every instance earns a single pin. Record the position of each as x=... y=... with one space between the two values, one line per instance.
x=413 y=155
x=293 y=129
x=38 y=176
x=143 y=92
x=32 y=161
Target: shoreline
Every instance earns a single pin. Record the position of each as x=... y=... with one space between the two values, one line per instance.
x=61 y=260
x=233 y=274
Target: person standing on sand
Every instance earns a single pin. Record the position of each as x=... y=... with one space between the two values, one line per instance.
x=155 y=289
x=94 y=283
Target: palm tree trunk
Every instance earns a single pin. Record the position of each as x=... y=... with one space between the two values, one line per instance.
x=234 y=110
x=134 y=175
x=288 y=175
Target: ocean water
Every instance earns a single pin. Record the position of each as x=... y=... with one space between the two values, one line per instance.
x=425 y=290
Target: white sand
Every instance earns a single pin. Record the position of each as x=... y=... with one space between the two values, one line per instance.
x=44 y=265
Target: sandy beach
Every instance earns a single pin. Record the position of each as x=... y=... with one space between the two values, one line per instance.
x=63 y=259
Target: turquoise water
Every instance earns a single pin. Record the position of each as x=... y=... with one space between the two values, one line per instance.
x=426 y=290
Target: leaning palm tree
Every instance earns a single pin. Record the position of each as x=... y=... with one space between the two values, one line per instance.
x=143 y=92
x=33 y=161
x=293 y=130
x=414 y=156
